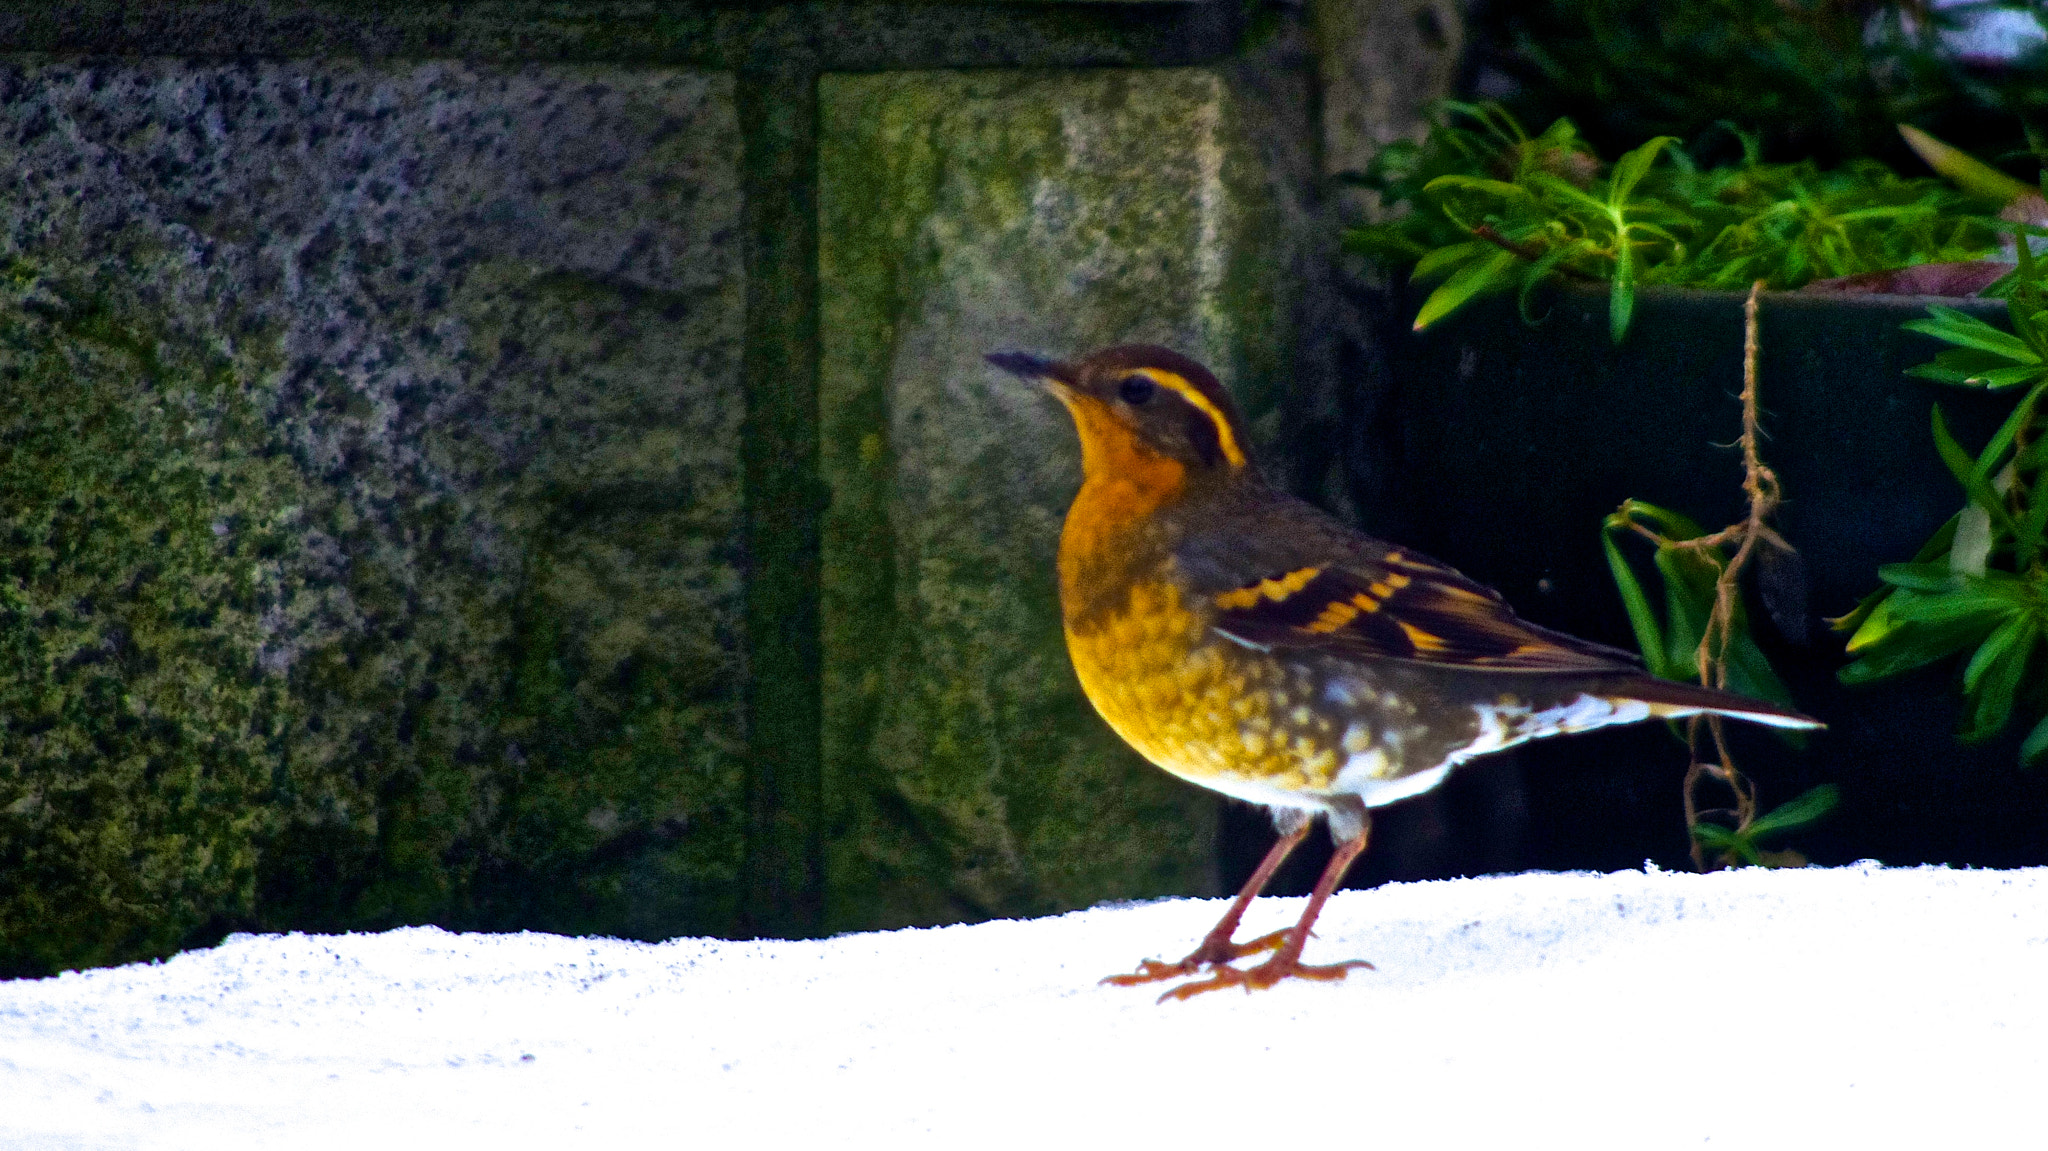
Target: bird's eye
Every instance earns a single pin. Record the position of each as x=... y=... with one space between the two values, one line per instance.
x=1135 y=390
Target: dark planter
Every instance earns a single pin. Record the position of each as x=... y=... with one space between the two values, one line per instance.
x=1509 y=445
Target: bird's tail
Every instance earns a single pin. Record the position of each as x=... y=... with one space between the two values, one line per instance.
x=1669 y=699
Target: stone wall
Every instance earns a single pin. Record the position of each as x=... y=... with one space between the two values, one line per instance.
x=531 y=465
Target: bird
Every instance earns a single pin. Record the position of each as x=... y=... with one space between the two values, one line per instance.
x=1246 y=641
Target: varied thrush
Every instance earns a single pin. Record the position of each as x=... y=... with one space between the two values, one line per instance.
x=1247 y=642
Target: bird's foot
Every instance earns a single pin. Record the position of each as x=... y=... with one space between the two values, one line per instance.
x=1272 y=971
x=1213 y=952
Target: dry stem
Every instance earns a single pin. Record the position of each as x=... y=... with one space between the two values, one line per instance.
x=1760 y=483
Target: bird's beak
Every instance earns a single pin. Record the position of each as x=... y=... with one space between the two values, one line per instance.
x=1052 y=375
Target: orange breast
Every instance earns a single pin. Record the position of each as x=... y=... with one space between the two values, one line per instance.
x=1123 y=485
x=1190 y=701
x=1195 y=704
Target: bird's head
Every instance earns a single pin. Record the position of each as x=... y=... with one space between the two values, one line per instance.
x=1142 y=408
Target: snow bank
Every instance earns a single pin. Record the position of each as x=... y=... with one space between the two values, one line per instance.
x=1817 y=1008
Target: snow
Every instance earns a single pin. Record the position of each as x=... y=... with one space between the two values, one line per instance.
x=1860 y=1006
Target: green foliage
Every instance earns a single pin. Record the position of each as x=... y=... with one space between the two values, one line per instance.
x=1743 y=846
x=143 y=525
x=1492 y=209
x=1691 y=572
x=1816 y=78
x=1980 y=585
x=1670 y=645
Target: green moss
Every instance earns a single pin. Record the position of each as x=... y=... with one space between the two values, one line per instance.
x=466 y=648
x=234 y=696
x=145 y=525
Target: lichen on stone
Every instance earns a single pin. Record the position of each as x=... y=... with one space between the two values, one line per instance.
x=448 y=354
x=146 y=526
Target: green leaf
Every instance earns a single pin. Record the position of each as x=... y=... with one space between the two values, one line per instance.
x=1911 y=644
x=1977 y=598
x=1670 y=524
x=1965 y=470
x=1469 y=281
x=1726 y=843
x=1920 y=576
x=1621 y=297
x=1689 y=577
x=2022 y=417
x=1942 y=374
x=2036 y=743
x=1970 y=332
x=1566 y=191
x=2028 y=542
x=2024 y=302
x=1750 y=672
x=1874 y=622
x=1796 y=813
x=1713 y=835
x=1998 y=378
x=1539 y=273
x=1963 y=362
x=1479 y=185
x=1966 y=171
x=1722 y=227
x=1445 y=260
x=1901 y=655
x=1854 y=622
x=1649 y=636
x=2000 y=680
x=1971 y=368
x=1632 y=167
x=2009 y=635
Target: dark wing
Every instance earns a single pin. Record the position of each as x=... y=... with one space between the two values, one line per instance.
x=1397 y=605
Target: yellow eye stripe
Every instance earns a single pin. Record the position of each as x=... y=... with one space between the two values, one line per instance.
x=1225 y=437
x=1272 y=589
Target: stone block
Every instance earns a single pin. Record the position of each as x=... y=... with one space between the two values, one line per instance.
x=962 y=213
x=489 y=322
x=1381 y=63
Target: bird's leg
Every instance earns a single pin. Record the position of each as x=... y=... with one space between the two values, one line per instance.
x=1216 y=946
x=1286 y=961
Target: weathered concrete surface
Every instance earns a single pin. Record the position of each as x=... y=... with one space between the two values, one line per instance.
x=1381 y=63
x=491 y=319
x=962 y=213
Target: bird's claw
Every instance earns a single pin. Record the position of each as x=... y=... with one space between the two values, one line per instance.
x=1213 y=953
x=1264 y=975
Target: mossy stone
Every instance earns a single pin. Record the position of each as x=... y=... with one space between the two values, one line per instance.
x=496 y=422
x=146 y=528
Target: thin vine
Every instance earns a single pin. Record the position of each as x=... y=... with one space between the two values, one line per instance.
x=1760 y=484
x=1725 y=655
